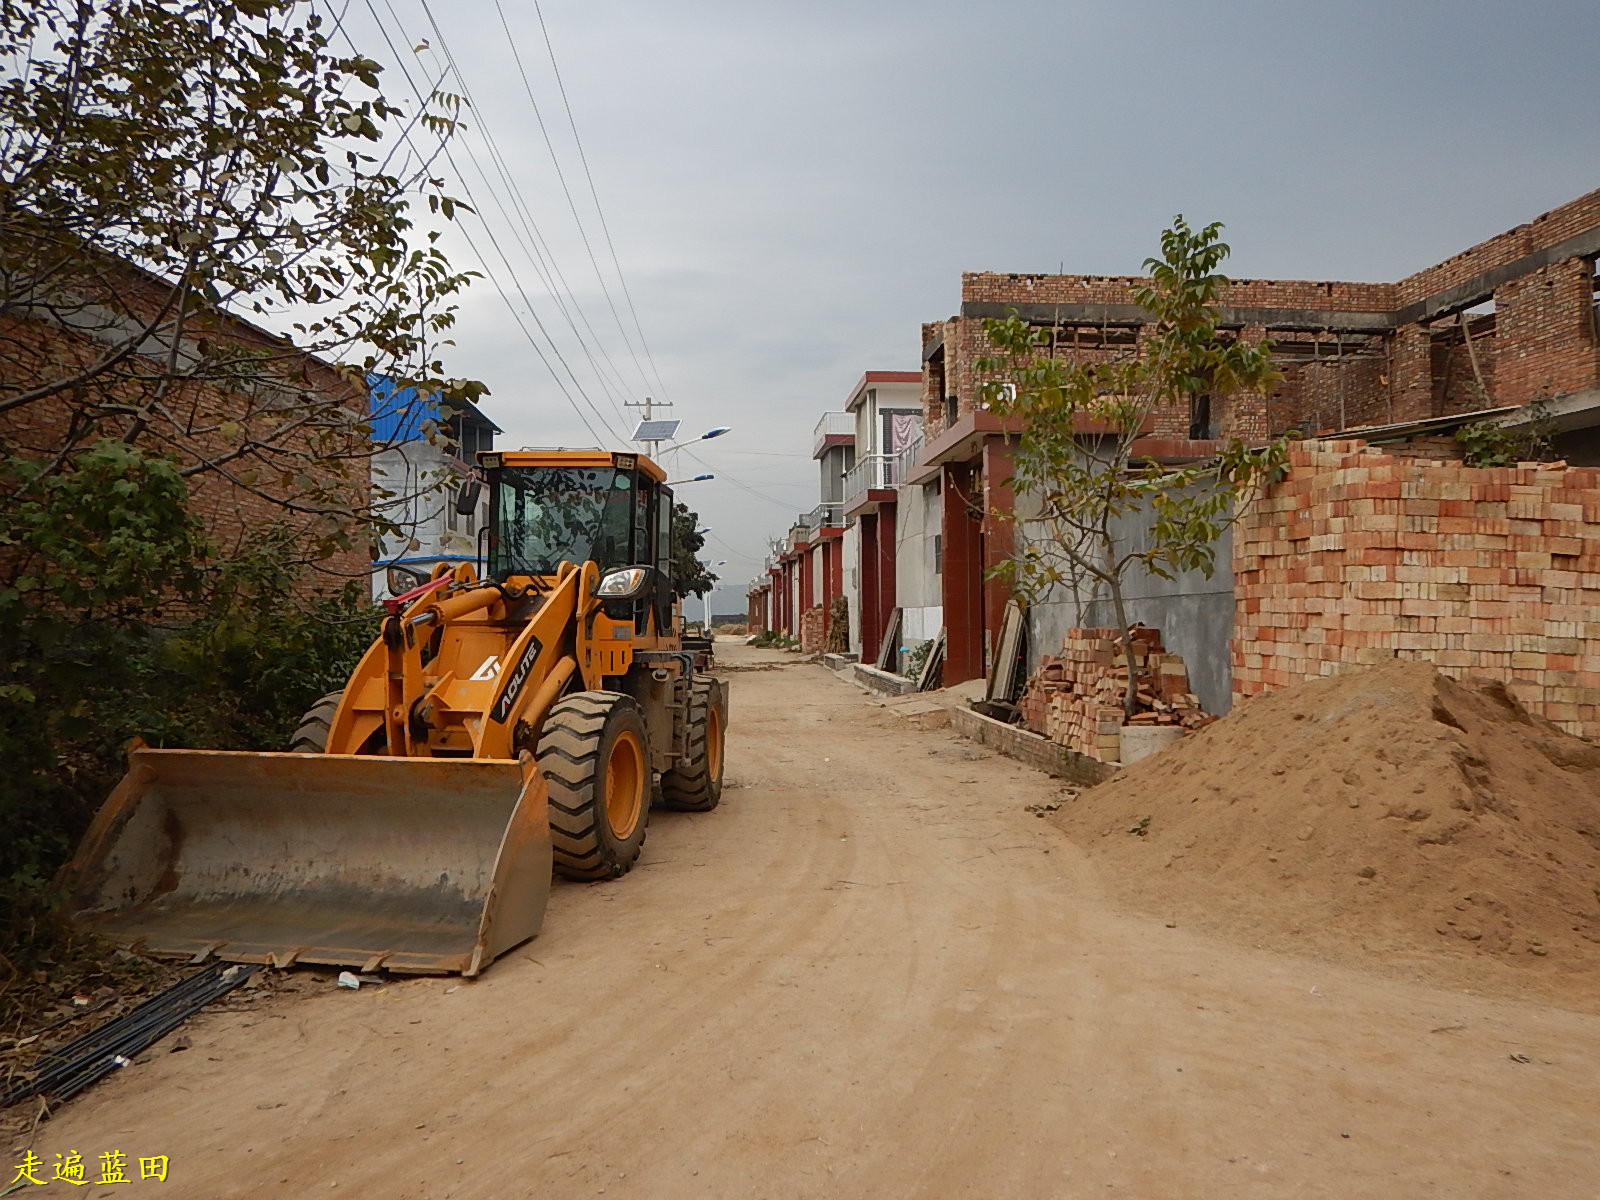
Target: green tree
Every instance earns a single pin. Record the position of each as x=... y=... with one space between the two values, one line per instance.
x=185 y=185
x=165 y=163
x=1081 y=421
x=690 y=576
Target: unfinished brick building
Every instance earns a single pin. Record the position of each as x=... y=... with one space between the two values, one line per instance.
x=1486 y=332
x=1509 y=321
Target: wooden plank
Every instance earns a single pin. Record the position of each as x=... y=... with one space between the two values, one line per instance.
x=932 y=666
x=889 y=650
x=1008 y=653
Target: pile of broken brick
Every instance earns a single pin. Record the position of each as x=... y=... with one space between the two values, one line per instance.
x=1076 y=700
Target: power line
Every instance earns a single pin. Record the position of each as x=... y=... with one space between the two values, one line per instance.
x=561 y=177
x=744 y=487
x=494 y=241
x=549 y=270
x=742 y=556
x=595 y=196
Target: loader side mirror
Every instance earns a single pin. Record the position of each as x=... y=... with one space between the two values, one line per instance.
x=627 y=584
x=467 y=498
x=403 y=579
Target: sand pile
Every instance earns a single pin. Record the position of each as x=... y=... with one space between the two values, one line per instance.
x=1392 y=811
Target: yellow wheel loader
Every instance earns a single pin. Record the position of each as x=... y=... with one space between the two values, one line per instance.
x=499 y=728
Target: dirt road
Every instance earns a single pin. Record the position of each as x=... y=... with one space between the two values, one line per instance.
x=870 y=973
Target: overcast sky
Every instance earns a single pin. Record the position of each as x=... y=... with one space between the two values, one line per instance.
x=792 y=188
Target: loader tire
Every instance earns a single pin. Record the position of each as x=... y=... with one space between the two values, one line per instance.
x=696 y=784
x=312 y=736
x=594 y=754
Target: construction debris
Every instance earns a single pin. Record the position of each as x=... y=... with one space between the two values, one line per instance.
x=1076 y=700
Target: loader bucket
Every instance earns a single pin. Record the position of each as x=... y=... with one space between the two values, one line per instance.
x=423 y=865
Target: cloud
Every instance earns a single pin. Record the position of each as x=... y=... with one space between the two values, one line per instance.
x=793 y=188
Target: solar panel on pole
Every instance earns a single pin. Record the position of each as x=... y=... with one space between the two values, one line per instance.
x=656 y=431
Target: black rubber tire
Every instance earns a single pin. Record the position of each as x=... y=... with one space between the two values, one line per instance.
x=577 y=744
x=696 y=786
x=312 y=736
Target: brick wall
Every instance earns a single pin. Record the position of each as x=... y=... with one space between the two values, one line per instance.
x=1331 y=392
x=1360 y=556
x=995 y=287
x=1545 y=333
x=1573 y=218
x=198 y=420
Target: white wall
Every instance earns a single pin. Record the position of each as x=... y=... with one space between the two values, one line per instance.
x=424 y=481
x=852 y=583
x=1193 y=612
x=872 y=403
x=918 y=586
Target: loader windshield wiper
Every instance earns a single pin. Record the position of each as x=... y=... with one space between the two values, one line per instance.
x=545 y=516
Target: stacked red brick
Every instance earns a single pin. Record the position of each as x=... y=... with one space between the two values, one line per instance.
x=813 y=629
x=1076 y=700
x=1360 y=556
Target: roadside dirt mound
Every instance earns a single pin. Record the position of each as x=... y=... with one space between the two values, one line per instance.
x=1392 y=810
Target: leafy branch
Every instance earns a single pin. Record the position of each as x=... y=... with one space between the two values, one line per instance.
x=1079 y=456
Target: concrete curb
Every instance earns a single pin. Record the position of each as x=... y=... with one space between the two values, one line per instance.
x=881 y=682
x=1030 y=748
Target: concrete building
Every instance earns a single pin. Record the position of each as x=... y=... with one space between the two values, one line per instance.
x=425 y=455
x=886 y=407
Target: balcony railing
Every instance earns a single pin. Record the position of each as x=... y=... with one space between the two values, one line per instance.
x=906 y=460
x=871 y=473
x=832 y=424
x=823 y=516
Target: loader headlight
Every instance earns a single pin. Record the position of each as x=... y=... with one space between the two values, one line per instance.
x=627 y=584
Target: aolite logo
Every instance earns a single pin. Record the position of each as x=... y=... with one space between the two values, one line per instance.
x=514 y=684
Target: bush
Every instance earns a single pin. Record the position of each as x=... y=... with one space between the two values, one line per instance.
x=119 y=621
x=771 y=639
x=916 y=658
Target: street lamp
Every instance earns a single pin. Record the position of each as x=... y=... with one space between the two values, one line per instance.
x=721 y=562
x=704 y=437
x=693 y=479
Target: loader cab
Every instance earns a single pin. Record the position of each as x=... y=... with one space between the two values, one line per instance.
x=550 y=507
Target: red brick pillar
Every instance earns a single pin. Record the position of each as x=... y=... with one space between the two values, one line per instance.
x=795 y=599
x=887 y=596
x=807 y=580
x=963 y=575
x=871 y=629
